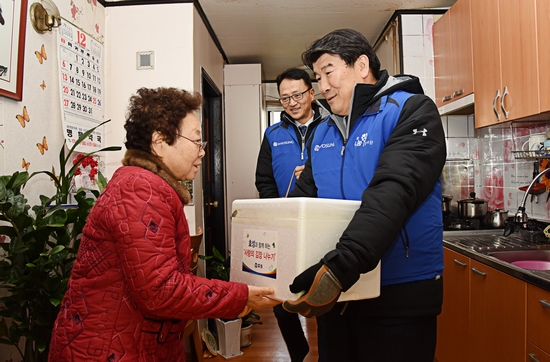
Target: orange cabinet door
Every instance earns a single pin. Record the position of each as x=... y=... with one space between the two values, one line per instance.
x=442 y=60
x=497 y=315
x=506 y=66
x=543 y=32
x=538 y=317
x=453 y=322
x=461 y=40
x=535 y=354
x=453 y=54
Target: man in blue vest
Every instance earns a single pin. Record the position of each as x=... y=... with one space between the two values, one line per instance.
x=383 y=144
x=282 y=157
x=283 y=151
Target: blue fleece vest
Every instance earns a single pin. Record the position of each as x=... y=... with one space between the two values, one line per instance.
x=286 y=153
x=344 y=172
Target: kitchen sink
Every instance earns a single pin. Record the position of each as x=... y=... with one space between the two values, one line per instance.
x=526 y=259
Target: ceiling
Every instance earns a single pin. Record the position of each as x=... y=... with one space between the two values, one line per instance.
x=276 y=32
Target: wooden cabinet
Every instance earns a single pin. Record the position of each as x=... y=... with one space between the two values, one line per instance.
x=453 y=322
x=543 y=31
x=488 y=315
x=453 y=54
x=506 y=84
x=484 y=313
x=535 y=354
x=497 y=315
x=538 y=322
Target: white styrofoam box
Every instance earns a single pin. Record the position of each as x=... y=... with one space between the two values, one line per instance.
x=274 y=240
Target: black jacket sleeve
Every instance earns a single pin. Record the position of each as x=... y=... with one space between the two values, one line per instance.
x=265 y=180
x=408 y=170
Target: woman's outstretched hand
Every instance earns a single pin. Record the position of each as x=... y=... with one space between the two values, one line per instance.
x=258 y=298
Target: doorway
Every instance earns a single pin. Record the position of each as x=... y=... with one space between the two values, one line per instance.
x=213 y=170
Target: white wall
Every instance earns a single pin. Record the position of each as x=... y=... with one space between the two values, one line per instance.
x=243 y=118
x=165 y=29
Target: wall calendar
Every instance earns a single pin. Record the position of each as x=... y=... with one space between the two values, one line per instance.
x=81 y=86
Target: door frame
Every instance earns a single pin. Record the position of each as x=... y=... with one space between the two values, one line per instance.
x=213 y=170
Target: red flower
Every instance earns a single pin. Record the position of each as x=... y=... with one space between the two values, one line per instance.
x=87 y=165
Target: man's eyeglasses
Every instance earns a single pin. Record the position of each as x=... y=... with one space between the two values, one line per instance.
x=297 y=97
x=201 y=144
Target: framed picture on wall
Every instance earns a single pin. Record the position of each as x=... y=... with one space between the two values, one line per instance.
x=13 y=20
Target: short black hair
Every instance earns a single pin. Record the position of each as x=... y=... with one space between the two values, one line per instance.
x=296 y=74
x=348 y=44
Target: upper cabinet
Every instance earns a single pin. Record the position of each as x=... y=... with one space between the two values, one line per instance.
x=506 y=74
x=453 y=54
x=543 y=32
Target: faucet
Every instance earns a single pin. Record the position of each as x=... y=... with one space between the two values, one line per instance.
x=521 y=215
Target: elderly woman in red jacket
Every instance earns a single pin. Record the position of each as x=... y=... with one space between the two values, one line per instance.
x=131 y=289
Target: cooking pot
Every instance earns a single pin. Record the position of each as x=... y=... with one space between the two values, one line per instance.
x=446 y=206
x=472 y=207
x=496 y=218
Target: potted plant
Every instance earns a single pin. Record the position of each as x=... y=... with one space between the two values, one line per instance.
x=228 y=330
x=218 y=267
x=38 y=247
x=248 y=321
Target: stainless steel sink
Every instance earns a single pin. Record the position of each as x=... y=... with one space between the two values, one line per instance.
x=523 y=257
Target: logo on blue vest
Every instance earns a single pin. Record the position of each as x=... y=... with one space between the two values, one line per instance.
x=323 y=145
x=363 y=141
x=275 y=144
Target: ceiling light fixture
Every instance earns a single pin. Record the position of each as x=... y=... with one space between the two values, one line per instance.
x=44 y=16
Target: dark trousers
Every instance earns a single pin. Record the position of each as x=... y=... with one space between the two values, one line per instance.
x=293 y=334
x=368 y=339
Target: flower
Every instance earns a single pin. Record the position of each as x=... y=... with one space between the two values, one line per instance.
x=65 y=180
x=88 y=166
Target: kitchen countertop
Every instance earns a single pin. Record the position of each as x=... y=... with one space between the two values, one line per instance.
x=475 y=244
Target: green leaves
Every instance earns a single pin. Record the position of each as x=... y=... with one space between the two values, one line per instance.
x=216 y=265
x=250 y=318
x=36 y=264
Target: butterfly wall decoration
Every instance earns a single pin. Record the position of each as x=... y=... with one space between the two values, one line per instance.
x=41 y=55
x=25 y=164
x=42 y=146
x=22 y=118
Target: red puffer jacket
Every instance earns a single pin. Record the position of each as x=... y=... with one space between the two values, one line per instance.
x=131 y=290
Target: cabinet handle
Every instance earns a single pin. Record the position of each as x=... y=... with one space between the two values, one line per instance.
x=545 y=303
x=533 y=358
x=478 y=272
x=495 y=105
x=502 y=102
x=459 y=263
x=447 y=98
x=458 y=92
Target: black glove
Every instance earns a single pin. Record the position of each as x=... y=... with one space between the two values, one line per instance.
x=303 y=281
x=322 y=294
